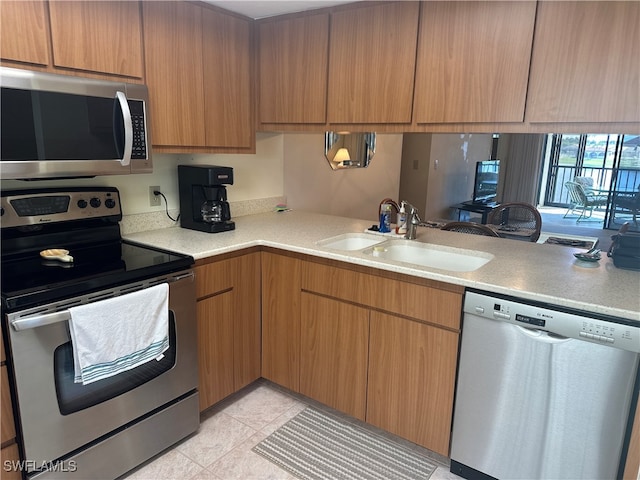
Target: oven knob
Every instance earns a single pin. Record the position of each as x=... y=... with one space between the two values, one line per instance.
x=82 y=204
x=95 y=202
x=1 y=211
x=109 y=203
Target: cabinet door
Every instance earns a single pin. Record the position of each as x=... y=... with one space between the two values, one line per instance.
x=372 y=63
x=11 y=455
x=334 y=338
x=584 y=65
x=6 y=420
x=246 y=325
x=281 y=320
x=227 y=80
x=293 y=69
x=24 y=33
x=241 y=277
x=97 y=36
x=215 y=348
x=473 y=61
x=173 y=63
x=412 y=369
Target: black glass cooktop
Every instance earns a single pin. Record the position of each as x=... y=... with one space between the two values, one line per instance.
x=29 y=280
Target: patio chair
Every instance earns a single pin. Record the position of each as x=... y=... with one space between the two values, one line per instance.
x=514 y=218
x=583 y=201
x=586 y=182
x=470 y=227
x=627 y=204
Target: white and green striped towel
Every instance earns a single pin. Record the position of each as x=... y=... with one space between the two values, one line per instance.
x=118 y=334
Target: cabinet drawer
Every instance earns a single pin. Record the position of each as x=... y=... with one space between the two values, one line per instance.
x=429 y=304
x=214 y=278
x=8 y=428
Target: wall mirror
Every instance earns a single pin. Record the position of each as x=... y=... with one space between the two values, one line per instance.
x=349 y=150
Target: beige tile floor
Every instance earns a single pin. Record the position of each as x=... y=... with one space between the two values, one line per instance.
x=221 y=449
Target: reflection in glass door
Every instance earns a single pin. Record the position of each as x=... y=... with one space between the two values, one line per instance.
x=625 y=186
x=608 y=163
x=589 y=156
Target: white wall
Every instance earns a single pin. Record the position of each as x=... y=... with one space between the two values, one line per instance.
x=452 y=164
x=311 y=185
x=291 y=165
x=414 y=172
x=256 y=176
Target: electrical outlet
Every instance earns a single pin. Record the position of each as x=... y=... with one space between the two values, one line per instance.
x=154 y=200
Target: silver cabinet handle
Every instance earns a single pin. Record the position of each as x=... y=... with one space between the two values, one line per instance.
x=128 y=128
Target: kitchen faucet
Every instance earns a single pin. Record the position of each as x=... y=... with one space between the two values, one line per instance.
x=413 y=220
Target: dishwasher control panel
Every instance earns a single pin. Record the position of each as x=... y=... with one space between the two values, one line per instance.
x=576 y=325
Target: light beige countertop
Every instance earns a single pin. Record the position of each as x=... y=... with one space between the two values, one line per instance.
x=530 y=271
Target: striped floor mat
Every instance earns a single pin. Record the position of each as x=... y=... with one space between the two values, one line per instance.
x=318 y=446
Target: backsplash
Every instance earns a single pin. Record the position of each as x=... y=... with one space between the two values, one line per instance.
x=143 y=222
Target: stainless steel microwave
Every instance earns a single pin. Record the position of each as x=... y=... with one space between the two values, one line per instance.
x=57 y=126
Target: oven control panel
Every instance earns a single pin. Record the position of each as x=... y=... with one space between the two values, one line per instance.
x=37 y=207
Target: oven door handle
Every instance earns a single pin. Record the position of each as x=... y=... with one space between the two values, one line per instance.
x=26 y=323
x=20 y=324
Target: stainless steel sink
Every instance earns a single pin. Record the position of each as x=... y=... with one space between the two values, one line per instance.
x=430 y=255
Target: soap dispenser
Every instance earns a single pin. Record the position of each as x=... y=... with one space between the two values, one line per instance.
x=401 y=228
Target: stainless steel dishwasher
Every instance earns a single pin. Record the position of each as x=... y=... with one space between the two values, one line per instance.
x=542 y=392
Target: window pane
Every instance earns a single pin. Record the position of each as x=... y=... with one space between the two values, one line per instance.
x=569 y=150
x=630 y=157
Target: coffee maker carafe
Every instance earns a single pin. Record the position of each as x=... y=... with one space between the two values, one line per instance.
x=203 y=197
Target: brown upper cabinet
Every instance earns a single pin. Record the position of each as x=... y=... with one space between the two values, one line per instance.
x=473 y=61
x=339 y=66
x=174 y=78
x=372 y=63
x=198 y=69
x=102 y=37
x=24 y=32
x=479 y=66
x=584 y=65
x=73 y=37
x=293 y=57
x=228 y=98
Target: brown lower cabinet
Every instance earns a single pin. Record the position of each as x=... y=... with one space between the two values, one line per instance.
x=228 y=309
x=411 y=380
x=334 y=346
x=281 y=319
x=10 y=458
x=378 y=346
x=10 y=453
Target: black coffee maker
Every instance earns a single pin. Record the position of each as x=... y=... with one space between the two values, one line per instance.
x=203 y=197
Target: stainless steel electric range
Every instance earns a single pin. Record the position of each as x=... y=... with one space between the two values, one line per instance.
x=106 y=428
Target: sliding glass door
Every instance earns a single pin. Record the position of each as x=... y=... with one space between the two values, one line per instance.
x=609 y=163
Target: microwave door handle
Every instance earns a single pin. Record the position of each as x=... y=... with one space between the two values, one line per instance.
x=128 y=128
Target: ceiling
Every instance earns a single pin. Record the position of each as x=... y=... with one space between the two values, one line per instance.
x=269 y=8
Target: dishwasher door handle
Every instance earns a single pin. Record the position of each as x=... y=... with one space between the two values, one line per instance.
x=541 y=335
